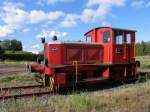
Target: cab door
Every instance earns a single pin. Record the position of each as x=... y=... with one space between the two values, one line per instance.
x=107 y=42
x=128 y=47
x=118 y=47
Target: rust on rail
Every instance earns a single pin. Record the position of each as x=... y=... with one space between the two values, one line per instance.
x=25 y=95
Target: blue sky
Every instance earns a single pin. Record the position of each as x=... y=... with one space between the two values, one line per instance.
x=28 y=20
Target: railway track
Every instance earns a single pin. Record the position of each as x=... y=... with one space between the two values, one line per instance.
x=40 y=90
x=23 y=91
x=144 y=74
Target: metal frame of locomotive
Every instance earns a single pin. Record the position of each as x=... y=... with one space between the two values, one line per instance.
x=107 y=54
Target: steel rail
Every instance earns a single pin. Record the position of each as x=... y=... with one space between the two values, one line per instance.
x=15 y=96
x=21 y=87
x=25 y=95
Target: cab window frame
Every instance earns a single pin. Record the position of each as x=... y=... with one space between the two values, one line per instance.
x=128 y=38
x=106 y=36
x=118 y=37
x=89 y=39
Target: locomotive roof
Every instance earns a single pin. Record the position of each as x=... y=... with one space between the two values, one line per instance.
x=113 y=28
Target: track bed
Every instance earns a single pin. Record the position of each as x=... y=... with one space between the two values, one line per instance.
x=23 y=91
x=12 y=69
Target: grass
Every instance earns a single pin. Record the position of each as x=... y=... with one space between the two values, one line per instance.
x=132 y=99
x=145 y=61
x=17 y=79
x=12 y=62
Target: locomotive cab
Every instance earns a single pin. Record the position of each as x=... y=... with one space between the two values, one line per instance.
x=118 y=44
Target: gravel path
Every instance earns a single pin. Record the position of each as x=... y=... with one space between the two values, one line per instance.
x=12 y=69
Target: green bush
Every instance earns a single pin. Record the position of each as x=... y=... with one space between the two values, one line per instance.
x=21 y=56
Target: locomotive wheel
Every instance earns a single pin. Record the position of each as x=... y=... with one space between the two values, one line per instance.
x=51 y=83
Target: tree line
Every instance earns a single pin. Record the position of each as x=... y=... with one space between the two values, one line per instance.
x=143 y=48
x=13 y=50
x=9 y=46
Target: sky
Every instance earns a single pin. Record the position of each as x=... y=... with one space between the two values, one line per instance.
x=29 y=20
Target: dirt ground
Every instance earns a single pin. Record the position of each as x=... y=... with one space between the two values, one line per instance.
x=15 y=75
x=6 y=69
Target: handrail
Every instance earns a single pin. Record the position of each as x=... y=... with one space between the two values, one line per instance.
x=76 y=65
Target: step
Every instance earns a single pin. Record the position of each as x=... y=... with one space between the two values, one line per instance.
x=98 y=79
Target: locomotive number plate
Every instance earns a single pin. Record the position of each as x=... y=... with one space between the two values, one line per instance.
x=54 y=49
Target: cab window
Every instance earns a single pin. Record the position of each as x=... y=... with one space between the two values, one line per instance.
x=89 y=39
x=118 y=37
x=106 y=37
x=128 y=38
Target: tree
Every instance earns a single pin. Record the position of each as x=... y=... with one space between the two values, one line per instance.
x=138 y=49
x=12 y=45
x=147 y=50
x=1 y=51
x=5 y=44
x=143 y=47
x=15 y=45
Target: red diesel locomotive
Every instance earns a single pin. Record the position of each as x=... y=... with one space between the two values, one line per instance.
x=107 y=54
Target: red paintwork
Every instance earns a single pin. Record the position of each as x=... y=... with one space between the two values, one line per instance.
x=106 y=73
x=60 y=79
x=38 y=68
x=66 y=53
x=105 y=60
x=49 y=71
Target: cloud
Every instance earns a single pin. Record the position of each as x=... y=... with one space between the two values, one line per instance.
x=148 y=4
x=87 y=15
x=140 y=4
x=50 y=34
x=37 y=16
x=13 y=14
x=55 y=1
x=103 y=9
x=70 y=20
x=14 y=17
x=51 y=2
x=91 y=15
x=35 y=46
x=104 y=23
x=55 y=15
x=24 y=47
x=57 y=33
x=26 y=30
x=13 y=4
x=106 y=2
x=137 y=3
x=34 y=51
x=6 y=30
